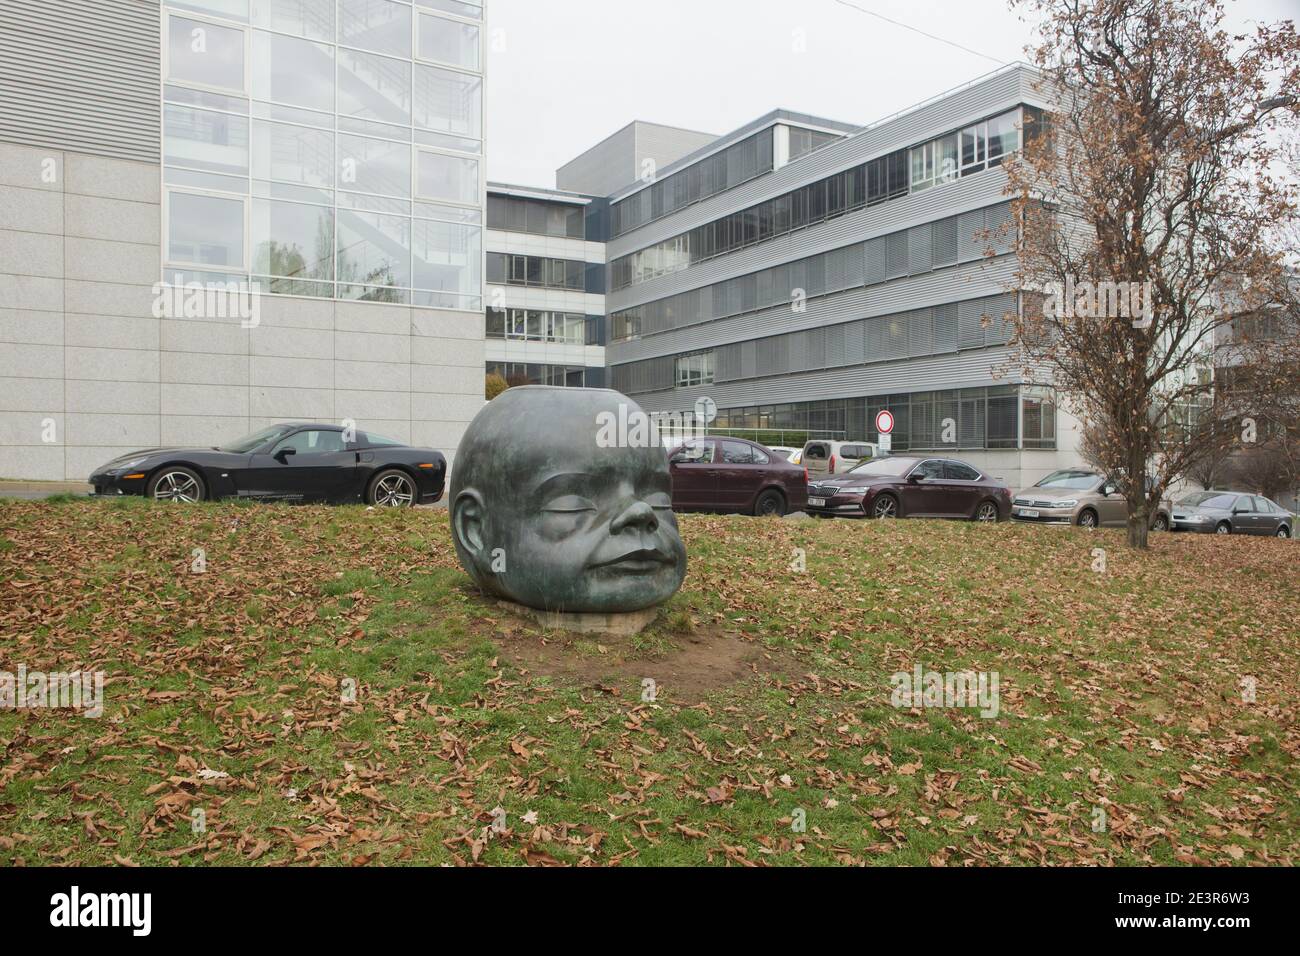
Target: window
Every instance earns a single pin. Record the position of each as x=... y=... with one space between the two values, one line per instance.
x=312 y=443
x=1003 y=137
x=373 y=250
x=959 y=471
x=736 y=453
x=694 y=370
x=313 y=19
x=972 y=149
x=293 y=154
x=540 y=271
x=374 y=166
x=930 y=470
x=446 y=257
x=205 y=54
x=934 y=163
x=293 y=71
x=292 y=240
x=448 y=102
x=373 y=87
x=381 y=26
x=695 y=452
x=1038 y=421
x=205 y=230
x=462 y=8
x=450 y=178
x=205 y=139
x=447 y=41
x=532 y=373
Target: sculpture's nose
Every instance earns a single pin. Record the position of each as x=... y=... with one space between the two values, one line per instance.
x=638 y=515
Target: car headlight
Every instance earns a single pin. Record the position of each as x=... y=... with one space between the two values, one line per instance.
x=1067 y=504
x=135 y=462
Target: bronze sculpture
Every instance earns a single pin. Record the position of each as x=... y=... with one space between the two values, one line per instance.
x=554 y=509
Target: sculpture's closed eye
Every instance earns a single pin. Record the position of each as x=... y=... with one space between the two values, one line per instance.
x=569 y=504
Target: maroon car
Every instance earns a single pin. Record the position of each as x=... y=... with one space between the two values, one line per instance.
x=911 y=487
x=734 y=475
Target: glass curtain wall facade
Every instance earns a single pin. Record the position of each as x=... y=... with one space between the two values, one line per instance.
x=328 y=148
x=984 y=418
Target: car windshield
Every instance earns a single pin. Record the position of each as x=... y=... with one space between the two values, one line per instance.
x=884 y=466
x=249 y=442
x=1208 y=499
x=1069 y=480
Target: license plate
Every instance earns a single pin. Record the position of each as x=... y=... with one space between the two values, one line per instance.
x=817 y=502
x=1026 y=513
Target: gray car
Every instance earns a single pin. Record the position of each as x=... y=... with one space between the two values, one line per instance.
x=1231 y=512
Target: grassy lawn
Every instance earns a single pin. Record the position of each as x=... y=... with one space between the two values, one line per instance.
x=1120 y=690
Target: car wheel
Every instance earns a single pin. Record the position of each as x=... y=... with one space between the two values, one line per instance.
x=175 y=483
x=392 y=489
x=1160 y=524
x=885 y=506
x=1223 y=528
x=1087 y=518
x=1283 y=531
x=770 y=502
x=987 y=511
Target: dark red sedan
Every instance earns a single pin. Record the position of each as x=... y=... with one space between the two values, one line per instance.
x=911 y=487
x=734 y=475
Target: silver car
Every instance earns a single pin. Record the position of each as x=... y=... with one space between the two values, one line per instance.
x=1231 y=512
x=1079 y=496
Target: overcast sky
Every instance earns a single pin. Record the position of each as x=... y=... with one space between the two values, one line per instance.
x=564 y=74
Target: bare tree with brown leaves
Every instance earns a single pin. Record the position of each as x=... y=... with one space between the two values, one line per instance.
x=1154 y=206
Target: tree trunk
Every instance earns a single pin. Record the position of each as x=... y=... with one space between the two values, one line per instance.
x=1138 y=528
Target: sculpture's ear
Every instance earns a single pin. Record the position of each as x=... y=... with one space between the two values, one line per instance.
x=467 y=516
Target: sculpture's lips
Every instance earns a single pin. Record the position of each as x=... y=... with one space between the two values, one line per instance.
x=643 y=559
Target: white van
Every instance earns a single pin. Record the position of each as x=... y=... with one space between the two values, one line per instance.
x=823 y=457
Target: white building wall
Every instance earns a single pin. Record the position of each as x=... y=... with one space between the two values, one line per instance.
x=81 y=349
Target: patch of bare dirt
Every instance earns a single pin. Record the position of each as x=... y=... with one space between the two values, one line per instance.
x=685 y=667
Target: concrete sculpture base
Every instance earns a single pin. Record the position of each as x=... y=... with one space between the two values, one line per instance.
x=610 y=624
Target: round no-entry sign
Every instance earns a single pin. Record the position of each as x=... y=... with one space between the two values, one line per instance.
x=885 y=422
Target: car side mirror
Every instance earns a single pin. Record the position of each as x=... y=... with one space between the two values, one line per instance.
x=282 y=456
x=915 y=479
x=1240 y=511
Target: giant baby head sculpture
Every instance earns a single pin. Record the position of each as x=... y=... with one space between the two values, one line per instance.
x=557 y=504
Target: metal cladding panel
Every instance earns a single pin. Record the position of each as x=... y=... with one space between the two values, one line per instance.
x=969 y=227
x=605 y=167
x=995 y=93
x=920 y=250
x=973 y=369
x=943 y=234
x=972 y=192
x=972 y=279
x=81 y=76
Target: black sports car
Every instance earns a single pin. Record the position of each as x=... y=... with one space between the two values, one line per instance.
x=297 y=461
